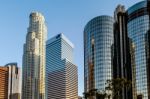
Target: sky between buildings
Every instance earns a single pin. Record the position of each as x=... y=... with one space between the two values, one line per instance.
x=62 y=16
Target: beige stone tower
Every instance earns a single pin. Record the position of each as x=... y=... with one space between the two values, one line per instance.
x=33 y=84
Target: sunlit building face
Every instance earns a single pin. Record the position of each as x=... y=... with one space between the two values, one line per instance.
x=34 y=58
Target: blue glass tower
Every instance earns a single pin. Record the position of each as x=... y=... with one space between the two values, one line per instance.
x=137 y=27
x=98 y=53
x=61 y=73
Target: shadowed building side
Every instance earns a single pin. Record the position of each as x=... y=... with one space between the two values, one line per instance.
x=122 y=63
x=148 y=47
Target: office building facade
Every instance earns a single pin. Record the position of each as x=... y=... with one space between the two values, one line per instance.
x=3 y=82
x=130 y=51
x=137 y=28
x=33 y=83
x=122 y=59
x=98 y=54
x=61 y=73
x=10 y=82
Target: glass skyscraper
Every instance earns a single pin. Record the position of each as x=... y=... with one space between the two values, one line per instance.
x=61 y=73
x=33 y=83
x=137 y=28
x=98 y=53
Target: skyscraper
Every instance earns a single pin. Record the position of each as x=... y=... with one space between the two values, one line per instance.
x=122 y=64
x=130 y=51
x=98 y=54
x=10 y=82
x=61 y=73
x=137 y=27
x=33 y=84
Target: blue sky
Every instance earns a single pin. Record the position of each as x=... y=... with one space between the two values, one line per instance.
x=62 y=16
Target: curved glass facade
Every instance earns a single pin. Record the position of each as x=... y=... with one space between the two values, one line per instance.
x=137 y=26
x=138 y=5
x=98 y=45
